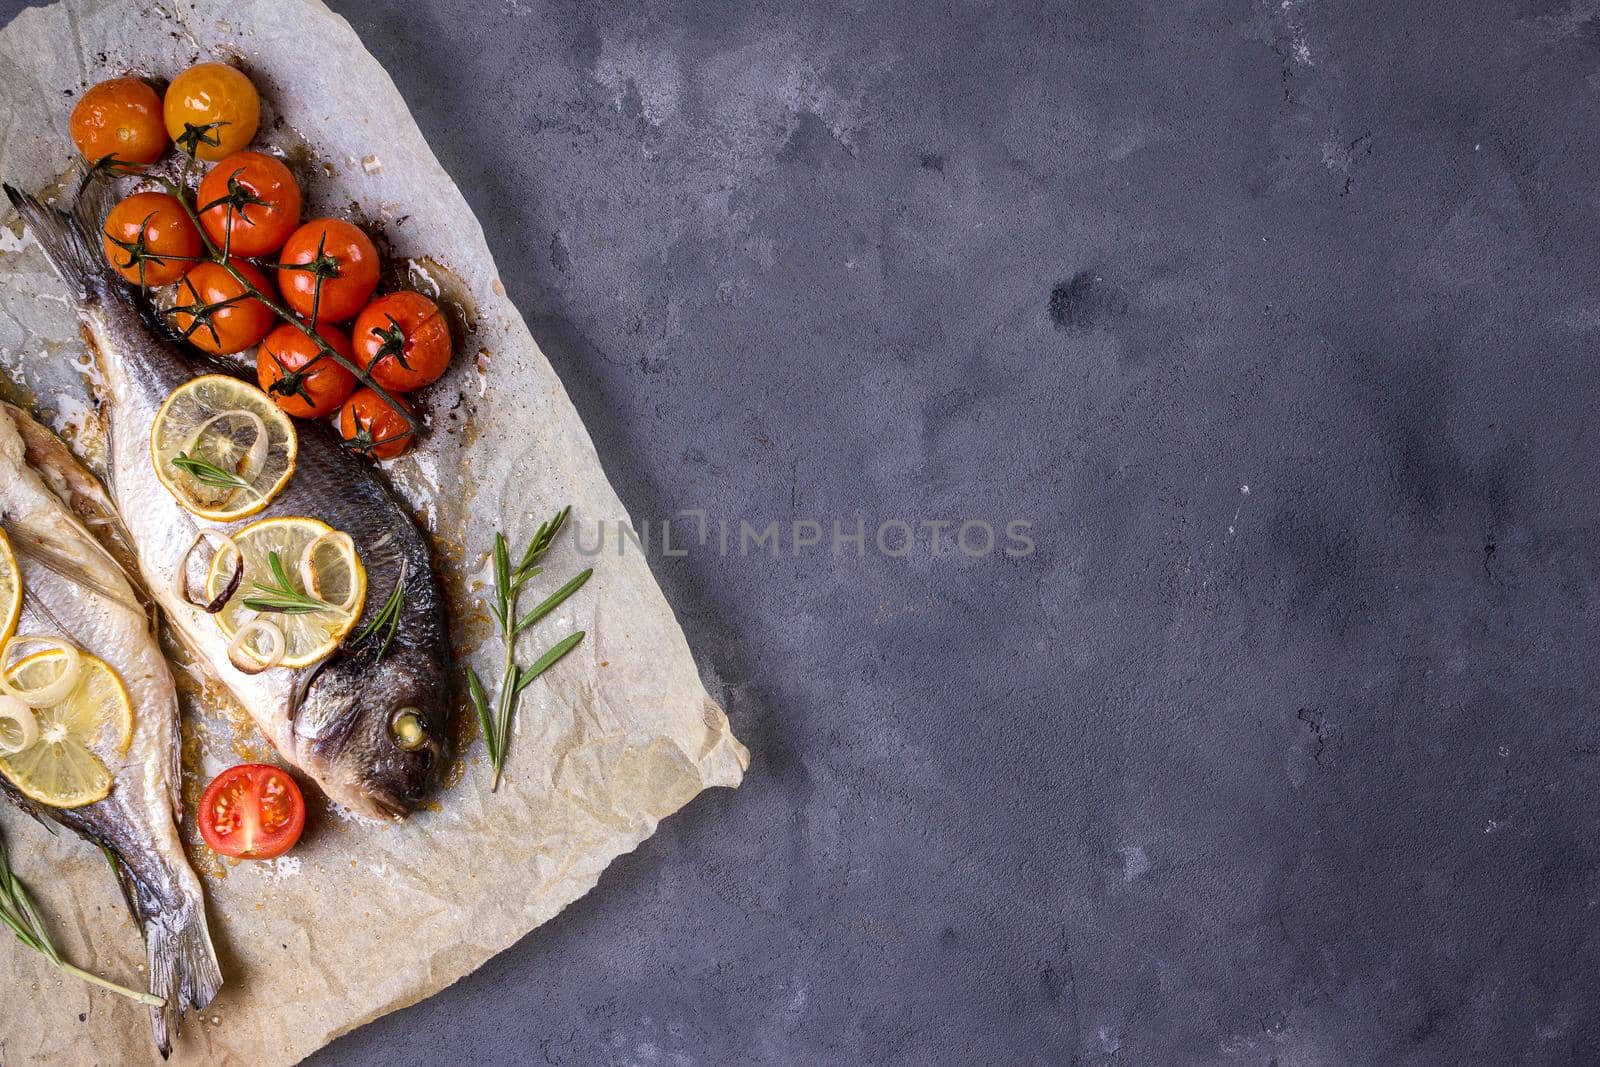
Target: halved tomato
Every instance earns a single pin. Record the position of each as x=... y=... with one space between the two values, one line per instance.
x=253 y=811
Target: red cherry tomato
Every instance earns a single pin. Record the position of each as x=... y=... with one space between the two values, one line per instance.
x=348 y=262
x=235 y=321
x=253 y=811
x=373 y=428
x=250 y=203
x=293 y=371
x=403 y=341
x=149 y=240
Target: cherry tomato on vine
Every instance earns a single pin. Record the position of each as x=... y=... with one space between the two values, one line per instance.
x=149 y=239
x=253 y=811
x=403 y=341
x=119 y=118
x=305 y=383
x=211 y=111
x=231 y=321
x=341 y=255
x=370 y=426
x=250 y=203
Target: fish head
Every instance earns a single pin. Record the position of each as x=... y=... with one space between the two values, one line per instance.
x=372 y=729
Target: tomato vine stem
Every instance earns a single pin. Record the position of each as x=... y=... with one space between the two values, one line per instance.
x=180 y=192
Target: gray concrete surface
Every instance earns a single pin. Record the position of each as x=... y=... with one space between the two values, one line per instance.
x=1304 y=774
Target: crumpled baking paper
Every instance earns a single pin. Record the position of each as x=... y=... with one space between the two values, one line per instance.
x=362 y=918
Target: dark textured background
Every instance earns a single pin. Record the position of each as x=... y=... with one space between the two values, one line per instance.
x=1302 y=774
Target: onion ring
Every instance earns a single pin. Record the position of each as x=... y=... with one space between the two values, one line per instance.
x=16 y=712
x=52 y=692
x=249 y=661
x=308 y=567
x=180 y=581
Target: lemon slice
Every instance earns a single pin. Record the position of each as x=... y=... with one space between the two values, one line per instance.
x=10 y=590
x=222 y=447
x=315 y=561
x=90 y=727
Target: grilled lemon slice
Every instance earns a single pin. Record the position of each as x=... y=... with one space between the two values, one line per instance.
x=10 y=590
x=285 y=559
x=222 y=447
x=89 y=728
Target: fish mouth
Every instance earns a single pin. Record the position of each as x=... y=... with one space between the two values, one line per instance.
x=385 y=802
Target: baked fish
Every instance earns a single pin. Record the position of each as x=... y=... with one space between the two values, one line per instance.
x=73 y=589
x=369 y=722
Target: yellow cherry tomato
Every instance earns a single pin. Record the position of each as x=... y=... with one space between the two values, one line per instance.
x=212 y=111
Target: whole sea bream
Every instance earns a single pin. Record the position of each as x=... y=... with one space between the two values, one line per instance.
x=74 y=590
x=335 y=720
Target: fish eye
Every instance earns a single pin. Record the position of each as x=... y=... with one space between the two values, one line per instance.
x=408 y=729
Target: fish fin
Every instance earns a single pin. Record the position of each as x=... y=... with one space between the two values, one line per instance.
x=69 y=240
x=127 y=883
x=69 y=569
x=182 y=966
x=33 y=606
x=181 y=962
x=66 y=476
x=28 y=807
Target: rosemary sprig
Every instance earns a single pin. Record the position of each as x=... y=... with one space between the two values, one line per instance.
x=281 y=596
x=387 y=620
x=508 y=584
x=18 y=911
x=209 y=473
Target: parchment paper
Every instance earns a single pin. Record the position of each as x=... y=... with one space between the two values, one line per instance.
x=362 y=918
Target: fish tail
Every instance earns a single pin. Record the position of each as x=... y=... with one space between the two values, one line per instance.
x=183 y=968
x=70 y=239
x=182 y=965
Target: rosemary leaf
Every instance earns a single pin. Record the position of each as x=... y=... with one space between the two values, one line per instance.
x=502 y=568
x=546 y=661
x=209 y=473
x=279 y=572
x=283 y=597
x=544 y=537
x=553 y=601
x=266 y=600
x=387 y=619
x=480 y=705
x=523 y=577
